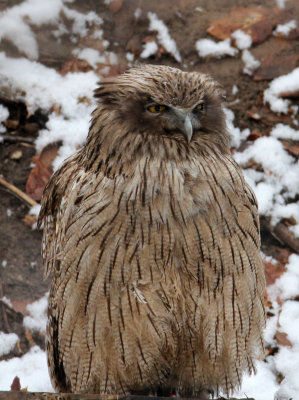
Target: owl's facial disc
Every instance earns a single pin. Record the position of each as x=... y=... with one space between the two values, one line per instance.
x=176 y=119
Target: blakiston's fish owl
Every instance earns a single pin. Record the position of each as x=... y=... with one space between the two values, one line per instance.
x=151 y=236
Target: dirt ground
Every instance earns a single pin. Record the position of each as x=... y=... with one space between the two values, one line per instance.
x=21 y=272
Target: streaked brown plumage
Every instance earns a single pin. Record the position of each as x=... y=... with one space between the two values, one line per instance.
x=151 y=235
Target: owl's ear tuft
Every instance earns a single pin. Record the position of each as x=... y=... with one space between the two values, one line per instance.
x=106 y=92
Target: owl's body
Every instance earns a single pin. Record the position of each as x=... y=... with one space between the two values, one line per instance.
x=152 y=238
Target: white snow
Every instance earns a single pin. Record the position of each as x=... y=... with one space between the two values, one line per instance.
x=242 y=39
x=92 y=56
x=37 y=319
x=35 y=210
x=7 y=301
x=7 y=342
x=32 y=369
x=281 y=3
x=45 y=88
x=15 y=23
x=137 y=13
x=282 y=131
x=287 y=285
x=130 y=56
x=163 y=36
x=286 y=28
x=261 y=386
x=284 y=83
x=250 y=63
x=235 y=89
x=276 y=183
x=237 y=136
x=4 y=114
x=4 y=263
x=208 y=47
x=81 y=22
x=149 y=49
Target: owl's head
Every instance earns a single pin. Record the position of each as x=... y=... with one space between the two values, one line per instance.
x=161 y=104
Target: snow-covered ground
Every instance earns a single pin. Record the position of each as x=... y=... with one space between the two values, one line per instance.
x=276 y=183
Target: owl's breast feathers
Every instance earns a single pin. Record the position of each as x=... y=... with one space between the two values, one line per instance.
x=180 y=239
x=199 y=205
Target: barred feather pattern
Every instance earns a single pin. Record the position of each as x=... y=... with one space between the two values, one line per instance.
x=154 y=251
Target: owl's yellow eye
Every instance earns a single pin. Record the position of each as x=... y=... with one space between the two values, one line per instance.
x=199 y=107
x=156 y=108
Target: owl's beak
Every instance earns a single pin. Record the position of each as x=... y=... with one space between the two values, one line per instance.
x=188 y=128
x=183 y=122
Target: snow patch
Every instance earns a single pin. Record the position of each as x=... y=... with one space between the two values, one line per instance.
x=237 y=136
x=32 y=369
x=149 y=49
x=235 y=89
x=286 y=28
x=276 y=183
x=137 y=13
x=261 y=386
x=251 y=64
x=282 y=131
x=4 y=114
x=163 y=36
x=92 y=56
x=284 y=83
x=7 y=342
x=37 y=319
x=281 y=3
x=242 y=39
x=207 y=47
x=287 y=285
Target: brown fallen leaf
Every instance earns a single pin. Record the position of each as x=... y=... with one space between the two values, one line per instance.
x=291 y=148
x=266 y=116
x=76 y=65
x=282 y=339
x=255 y=134
x=115 y=5
x=37 y=180
x=108 y=70
x=16 y=385
x=11 y=123
x=293 y=94
x=30 y=220
x=134 y=45
x=273 y=65
x=258 y=22
x=41 y=172
x=273 y=271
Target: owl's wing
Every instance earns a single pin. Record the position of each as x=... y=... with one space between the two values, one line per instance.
x=223 y=255
x=56 y=207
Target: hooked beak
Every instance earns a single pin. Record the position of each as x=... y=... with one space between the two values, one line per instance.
x=183 y=122
x=187 y=128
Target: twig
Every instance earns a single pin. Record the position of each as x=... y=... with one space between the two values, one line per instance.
x=281 y=233
x=23 y=196
x=14 y=139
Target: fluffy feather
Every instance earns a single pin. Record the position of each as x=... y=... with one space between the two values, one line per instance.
x=153 y=246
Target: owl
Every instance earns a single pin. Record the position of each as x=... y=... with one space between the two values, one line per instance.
x=151 y=237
